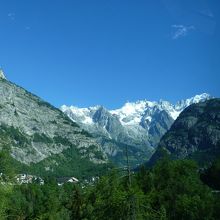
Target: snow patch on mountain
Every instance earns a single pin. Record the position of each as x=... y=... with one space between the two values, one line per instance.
x=181 y=105
x=2 y=75
x=130 y=113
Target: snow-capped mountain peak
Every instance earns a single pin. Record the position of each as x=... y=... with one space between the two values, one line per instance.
x=132 y=113
x=138 y=124
x=78 y=114
x=181 y=105
x=133 y=119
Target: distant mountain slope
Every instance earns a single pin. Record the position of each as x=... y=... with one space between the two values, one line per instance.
x=139 y=125
x=35 y=131
x=195 y=134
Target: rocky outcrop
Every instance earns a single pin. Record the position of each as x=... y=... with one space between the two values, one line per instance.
x=35 y=130
x=195 y=134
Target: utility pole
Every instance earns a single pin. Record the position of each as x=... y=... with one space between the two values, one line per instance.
x=128 y=168
x=132 y=214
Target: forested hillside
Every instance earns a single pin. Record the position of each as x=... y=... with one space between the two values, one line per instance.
x=170 y=190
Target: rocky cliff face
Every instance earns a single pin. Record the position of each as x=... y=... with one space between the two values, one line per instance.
x=34 y=130
x=195 y=134
x=138 y=126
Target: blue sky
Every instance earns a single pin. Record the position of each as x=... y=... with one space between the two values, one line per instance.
x=107 y=52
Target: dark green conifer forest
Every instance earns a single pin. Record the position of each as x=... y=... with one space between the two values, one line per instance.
x=169 y=190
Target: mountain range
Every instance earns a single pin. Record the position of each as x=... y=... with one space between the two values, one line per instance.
x=137 y=127
x=81 y=142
